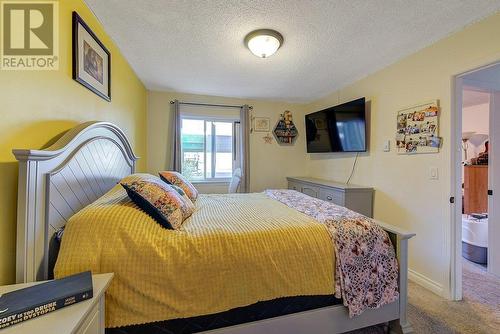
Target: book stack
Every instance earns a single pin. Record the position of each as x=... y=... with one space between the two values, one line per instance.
x=28 y=303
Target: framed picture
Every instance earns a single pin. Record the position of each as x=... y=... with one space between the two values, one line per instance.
x=91 y=60
x=417 y=129
x=262 y=124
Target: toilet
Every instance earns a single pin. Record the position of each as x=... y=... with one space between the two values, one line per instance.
x=475 y=239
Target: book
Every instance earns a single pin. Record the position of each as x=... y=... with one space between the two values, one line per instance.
x=28 y=303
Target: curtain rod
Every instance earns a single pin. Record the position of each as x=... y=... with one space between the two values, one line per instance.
x=210 y=105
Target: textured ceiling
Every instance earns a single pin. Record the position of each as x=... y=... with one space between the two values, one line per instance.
x=197 y=46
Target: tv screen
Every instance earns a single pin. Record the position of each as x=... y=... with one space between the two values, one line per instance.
x=337 y=129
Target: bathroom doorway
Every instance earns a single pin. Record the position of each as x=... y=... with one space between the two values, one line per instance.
x=476 y=213
x=475 y=158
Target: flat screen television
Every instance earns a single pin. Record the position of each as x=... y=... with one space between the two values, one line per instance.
x=340 y=128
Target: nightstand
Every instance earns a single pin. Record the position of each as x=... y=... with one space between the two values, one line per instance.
x=86 y=317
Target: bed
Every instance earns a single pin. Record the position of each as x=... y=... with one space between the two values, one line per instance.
x=87 y=162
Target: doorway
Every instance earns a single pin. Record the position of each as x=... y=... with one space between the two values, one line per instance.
x=476 y=213
x=475 y=161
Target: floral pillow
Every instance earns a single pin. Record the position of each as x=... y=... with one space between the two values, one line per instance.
x=159 y=200
x=181 y=192
x=179 y=180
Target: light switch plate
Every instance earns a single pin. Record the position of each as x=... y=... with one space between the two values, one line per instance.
x=387 y=146
x=433 y=173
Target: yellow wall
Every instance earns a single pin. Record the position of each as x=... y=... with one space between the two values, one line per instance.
x=269 y=163
x=404 y=194
x=36 y=105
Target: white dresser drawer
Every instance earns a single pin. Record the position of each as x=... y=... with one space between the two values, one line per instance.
x=294 y=186
x=310 y=190
x=334 y=196
x=92 y=322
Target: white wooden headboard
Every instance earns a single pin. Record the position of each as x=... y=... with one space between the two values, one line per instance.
x=56 y=182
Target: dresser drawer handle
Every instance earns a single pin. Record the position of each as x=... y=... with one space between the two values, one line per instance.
x=329 y=198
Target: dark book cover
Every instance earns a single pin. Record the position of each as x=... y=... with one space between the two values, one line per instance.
x=28 y=303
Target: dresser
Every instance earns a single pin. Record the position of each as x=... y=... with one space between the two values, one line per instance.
x=475 y=189
x=86 y=317
x=356 y=198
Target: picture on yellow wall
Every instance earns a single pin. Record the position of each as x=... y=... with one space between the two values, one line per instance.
x=92 y=62
x=417 y=129
x=91 y=59
x=262 y=124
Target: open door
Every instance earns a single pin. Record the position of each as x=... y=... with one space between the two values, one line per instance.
x=494 y=186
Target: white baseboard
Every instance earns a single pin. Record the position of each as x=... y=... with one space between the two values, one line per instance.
x=425 y=282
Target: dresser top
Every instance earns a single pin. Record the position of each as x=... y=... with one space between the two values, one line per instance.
x=327 y=183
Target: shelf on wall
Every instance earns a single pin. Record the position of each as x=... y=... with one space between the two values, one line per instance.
x=285 y=132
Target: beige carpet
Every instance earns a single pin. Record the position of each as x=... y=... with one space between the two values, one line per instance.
x=477 y=313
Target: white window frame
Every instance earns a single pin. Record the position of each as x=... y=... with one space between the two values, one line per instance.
x=208 y=118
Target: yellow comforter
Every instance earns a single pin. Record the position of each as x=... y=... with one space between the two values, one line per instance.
x=235 y=250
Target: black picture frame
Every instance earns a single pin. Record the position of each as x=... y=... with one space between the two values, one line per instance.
x=78 y=21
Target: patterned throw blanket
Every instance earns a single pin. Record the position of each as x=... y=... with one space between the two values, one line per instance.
x=366 y=273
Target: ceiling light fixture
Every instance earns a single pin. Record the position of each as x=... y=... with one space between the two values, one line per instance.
x=264 y=42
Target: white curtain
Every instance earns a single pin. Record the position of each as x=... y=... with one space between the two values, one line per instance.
x=245 y=148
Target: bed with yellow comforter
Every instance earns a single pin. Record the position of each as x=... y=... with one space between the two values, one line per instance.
x=235 y=250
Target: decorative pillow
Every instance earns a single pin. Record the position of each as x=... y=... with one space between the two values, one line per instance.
x=179 y=180
x=159 y=200
x=181 y=192
x=178 y=189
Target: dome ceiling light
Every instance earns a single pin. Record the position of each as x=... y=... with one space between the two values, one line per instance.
x=264 y=42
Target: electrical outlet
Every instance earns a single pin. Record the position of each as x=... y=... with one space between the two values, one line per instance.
x=433 y=173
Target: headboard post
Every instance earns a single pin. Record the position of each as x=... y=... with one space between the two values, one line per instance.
x=25 y=212
x=56 y=182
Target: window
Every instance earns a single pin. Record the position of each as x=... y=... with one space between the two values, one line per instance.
x=208 y=148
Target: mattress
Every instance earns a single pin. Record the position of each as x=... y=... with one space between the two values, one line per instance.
x=236 y=250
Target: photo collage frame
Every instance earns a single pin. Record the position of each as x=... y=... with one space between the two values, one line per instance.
x=418 y=129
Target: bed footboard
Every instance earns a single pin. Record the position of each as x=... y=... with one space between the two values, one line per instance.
x=400 y=239
x=335 y=319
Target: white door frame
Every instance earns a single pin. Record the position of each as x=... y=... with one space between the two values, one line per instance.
x=494 y=184
x=458 y=81
x=455 y=274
